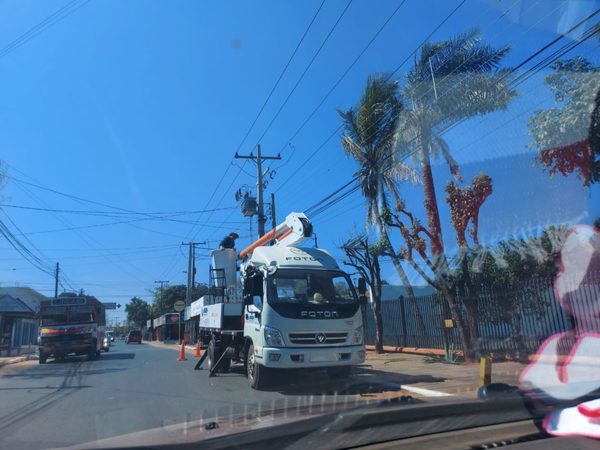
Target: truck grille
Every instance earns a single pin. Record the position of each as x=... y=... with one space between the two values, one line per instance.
x=311 y=338
x=65 y=338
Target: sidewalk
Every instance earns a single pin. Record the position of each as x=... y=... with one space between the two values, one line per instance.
x=422 y=375
x=6 y=360
x=172 y=345
x=394 y=374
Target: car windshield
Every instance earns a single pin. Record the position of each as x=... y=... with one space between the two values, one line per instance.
x=273 y=210
x=310 y=286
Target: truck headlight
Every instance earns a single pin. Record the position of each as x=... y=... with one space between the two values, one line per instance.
x=357 y=337
x=273 y=337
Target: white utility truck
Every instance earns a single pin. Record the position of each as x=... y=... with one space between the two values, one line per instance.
x=289 y=308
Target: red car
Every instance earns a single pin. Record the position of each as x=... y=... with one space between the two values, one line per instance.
x=134 y=336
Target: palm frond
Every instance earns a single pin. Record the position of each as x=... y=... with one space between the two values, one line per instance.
x=478 y=94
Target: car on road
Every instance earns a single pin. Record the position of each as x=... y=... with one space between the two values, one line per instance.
x=111 y=336
x=106 y=343
x=134 y=336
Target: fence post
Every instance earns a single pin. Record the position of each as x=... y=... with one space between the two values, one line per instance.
x=403 y=318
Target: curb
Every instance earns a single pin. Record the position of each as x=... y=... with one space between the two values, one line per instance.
x=174 y=346
x=18 y=359
x=411 y=350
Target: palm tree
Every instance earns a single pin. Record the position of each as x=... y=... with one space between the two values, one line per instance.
x=370 y=138
x=450 y=81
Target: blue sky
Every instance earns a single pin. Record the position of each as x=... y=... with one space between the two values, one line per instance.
x=140 y=105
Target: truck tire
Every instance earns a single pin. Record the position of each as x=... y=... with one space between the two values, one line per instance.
x=43 y=358
x=258 y=376
x=214 y=353
x=338 y=373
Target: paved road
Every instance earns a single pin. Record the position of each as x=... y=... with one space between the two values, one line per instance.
x=132 y=388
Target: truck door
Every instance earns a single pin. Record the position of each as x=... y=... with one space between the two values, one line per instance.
x=253 y=318
x=253 y=299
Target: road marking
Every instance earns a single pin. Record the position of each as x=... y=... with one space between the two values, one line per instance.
x=425 y=392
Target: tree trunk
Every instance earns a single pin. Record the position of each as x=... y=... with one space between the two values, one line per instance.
x=470 y=301
x=437 y=245
x=473 y=328
x=376 y=291
x=455 y=313
x=431 y=207
x=402 y=275
x=378 y=319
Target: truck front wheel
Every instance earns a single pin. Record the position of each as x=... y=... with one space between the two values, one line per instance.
x=258 y=376
x=43 y=358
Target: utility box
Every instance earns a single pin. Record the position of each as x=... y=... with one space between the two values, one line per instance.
x=249 y=206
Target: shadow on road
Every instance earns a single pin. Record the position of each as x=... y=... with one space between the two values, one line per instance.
x=116 y=356
x=363 y=381
x=38 y=388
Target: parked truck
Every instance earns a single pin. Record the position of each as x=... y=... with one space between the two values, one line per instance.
x=285 y=307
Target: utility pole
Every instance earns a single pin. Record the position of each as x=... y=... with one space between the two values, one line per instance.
x=259 y=158
x=191 y=272
x=273 y=216
x=56 y=280
x=161 y=282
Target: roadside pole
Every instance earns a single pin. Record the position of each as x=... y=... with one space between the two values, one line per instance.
x=179 y=306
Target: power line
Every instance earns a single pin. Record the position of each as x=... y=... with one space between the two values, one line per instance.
x=42 y=26
x=340 y=127
x=89 y=241
x=281 y=75
x=115 y=213
x=324 y=204
x=341 y=78
x=27 y=253
x=497 y=19
x=306 y=69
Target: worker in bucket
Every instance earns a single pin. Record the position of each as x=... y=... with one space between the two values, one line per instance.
x=228 y=241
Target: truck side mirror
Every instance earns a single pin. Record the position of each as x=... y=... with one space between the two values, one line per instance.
x=362 y=286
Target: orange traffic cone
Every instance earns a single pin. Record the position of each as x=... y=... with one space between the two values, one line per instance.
x=198 y=352
x=182 y=353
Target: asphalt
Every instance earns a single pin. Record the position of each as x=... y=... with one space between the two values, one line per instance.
x=137 y=387
x=142 y=387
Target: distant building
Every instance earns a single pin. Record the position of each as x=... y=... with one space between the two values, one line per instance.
x=393 y=292
x=18 y=324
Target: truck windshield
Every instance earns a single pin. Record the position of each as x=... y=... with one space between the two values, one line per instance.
x=62 y=316
x=310 y=286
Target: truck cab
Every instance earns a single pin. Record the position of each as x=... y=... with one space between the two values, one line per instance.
x=301 y=312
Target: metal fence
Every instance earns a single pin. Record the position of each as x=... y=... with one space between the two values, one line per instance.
x=510 y=321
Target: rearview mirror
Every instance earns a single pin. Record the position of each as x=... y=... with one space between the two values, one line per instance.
x=362 y=287
x=362 y=291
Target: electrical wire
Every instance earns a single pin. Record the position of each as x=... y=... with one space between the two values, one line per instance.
x=281 y=75
x=314 y=57
x=42 y=26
